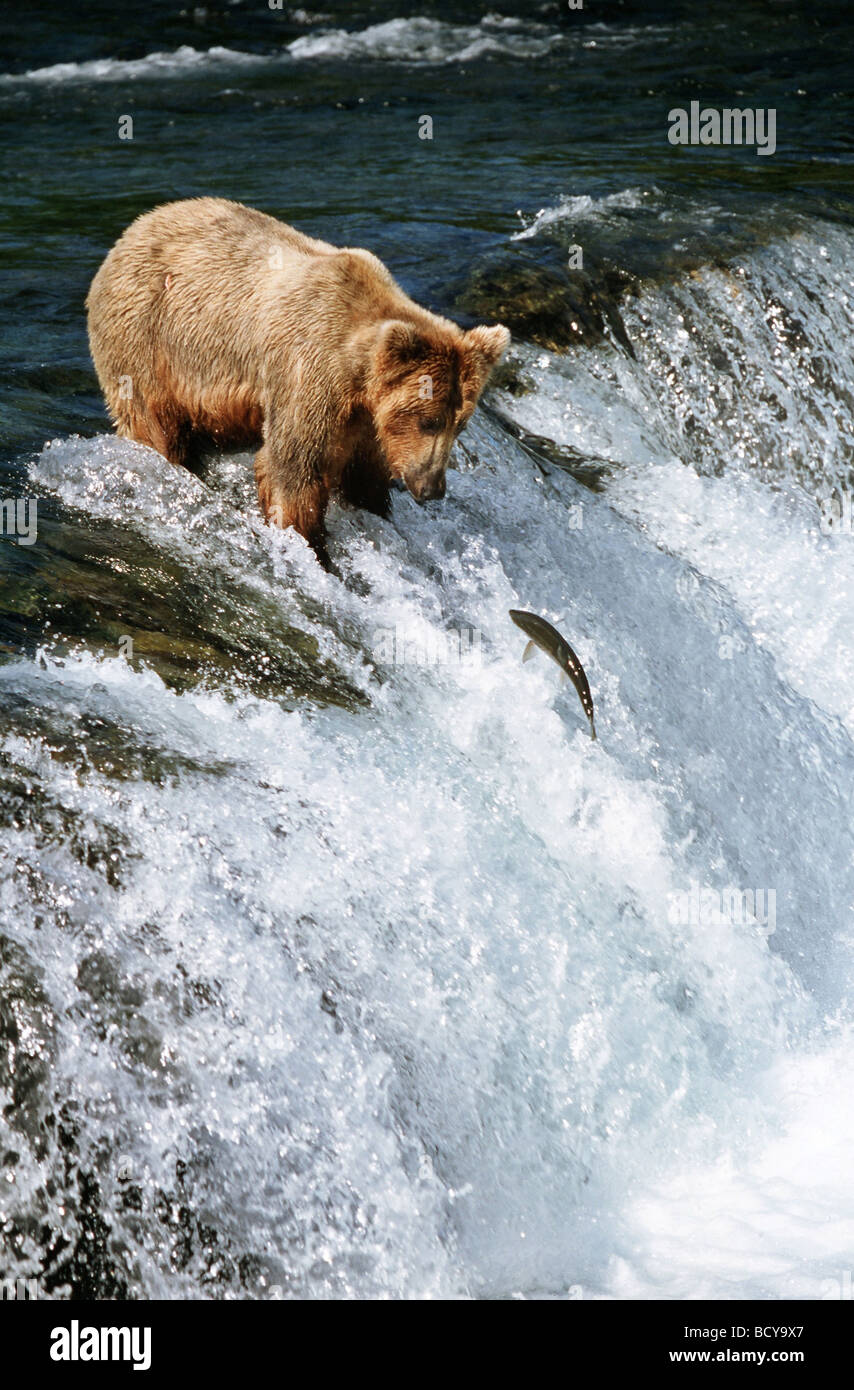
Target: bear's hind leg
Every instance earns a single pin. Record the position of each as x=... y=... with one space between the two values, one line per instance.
x=167 y=431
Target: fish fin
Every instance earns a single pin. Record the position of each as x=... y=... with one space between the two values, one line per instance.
x=529 y=650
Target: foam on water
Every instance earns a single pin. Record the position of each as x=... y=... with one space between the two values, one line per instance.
x=175 y=64
x=732 y=435
x=417 y=40
x=423 y=40
x=403 y=1001
x=759 y=1229
x=582 y=207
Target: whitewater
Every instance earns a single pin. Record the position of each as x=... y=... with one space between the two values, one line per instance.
x=382 y=989
x=418 y=41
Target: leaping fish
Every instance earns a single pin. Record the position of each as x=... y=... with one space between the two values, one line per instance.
x=541 y=634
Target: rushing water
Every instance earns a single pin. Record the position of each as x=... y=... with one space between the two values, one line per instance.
x=335 y=958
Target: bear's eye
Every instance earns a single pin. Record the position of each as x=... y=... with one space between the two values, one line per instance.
x=431 y=426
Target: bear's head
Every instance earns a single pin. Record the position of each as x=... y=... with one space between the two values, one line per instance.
x=423 y=385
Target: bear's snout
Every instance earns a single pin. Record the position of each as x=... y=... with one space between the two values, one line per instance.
x=427 y=489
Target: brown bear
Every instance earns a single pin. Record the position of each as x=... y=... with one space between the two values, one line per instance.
x=210 y=322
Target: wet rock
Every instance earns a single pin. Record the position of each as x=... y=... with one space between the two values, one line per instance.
x=555 y=308
x=27 y=1042
x=90 y=1270
x=26 y=805
x=192 y=624
x=98 y=975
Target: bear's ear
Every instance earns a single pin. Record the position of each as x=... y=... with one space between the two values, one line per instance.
x=482 y=347
x=400 y=343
